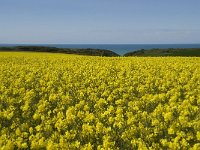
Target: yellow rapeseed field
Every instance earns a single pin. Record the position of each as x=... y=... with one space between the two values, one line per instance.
x=58 y=101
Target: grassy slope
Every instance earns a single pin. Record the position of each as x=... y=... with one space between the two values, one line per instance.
x=87 y=51
x=166 y=52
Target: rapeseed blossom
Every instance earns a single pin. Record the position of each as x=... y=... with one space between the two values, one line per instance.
x=58 y=101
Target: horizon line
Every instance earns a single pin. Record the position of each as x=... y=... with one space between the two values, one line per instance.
x=94 y=43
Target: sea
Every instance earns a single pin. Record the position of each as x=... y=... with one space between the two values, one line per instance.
x=120 y=49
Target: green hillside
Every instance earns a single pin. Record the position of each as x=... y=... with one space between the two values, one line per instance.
x=166 y=52
x=86 y=51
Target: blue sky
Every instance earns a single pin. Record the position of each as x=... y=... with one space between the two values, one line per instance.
x=99 y=21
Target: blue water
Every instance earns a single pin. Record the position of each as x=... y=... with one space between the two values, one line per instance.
x=118 y=48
